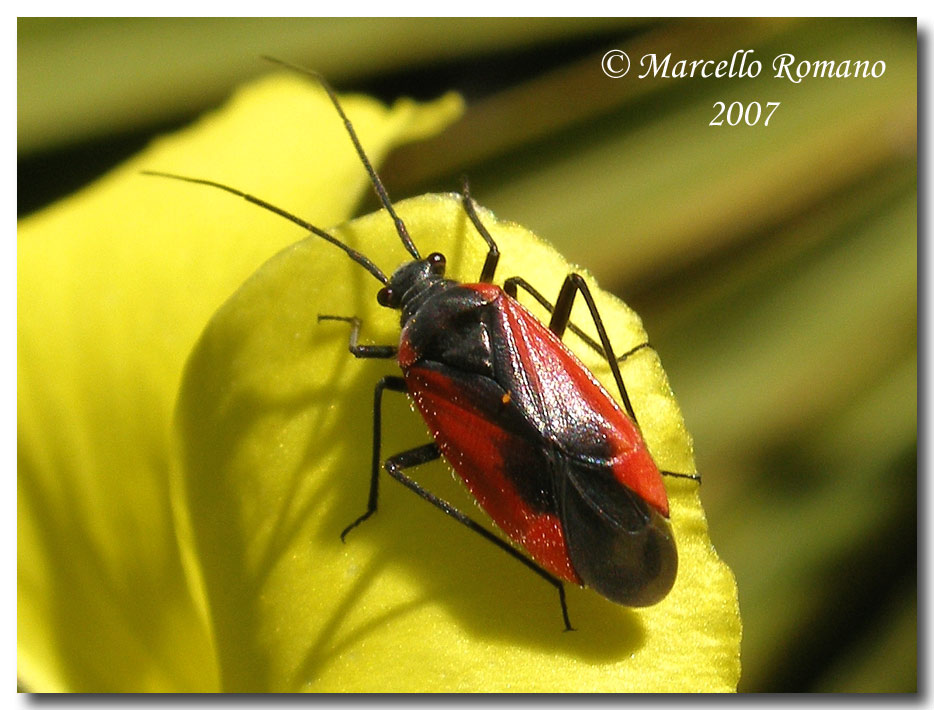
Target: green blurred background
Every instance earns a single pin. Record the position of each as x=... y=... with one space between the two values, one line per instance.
x=775 y=267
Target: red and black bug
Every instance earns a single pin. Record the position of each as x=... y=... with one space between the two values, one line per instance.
x=559 y=466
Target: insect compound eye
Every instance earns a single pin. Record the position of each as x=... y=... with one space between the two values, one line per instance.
x=437 y=262
x=384 y=297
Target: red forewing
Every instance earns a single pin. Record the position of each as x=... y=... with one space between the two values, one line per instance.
x=504 y=470
x=573 y=409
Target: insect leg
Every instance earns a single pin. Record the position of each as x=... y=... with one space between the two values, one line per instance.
x=362 y=351
x=560 y=317
x=415 y=457
x=421 y=455
x=674 y=474
x=393 y=383
x=510 y=286
x=561 y=320
x=492 y=256
x=513 y=283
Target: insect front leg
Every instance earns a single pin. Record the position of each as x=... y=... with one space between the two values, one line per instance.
x=362 y=351
x=561 y=310
x=489 y=270
x=492 y=256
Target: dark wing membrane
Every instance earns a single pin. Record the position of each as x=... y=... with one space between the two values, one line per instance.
x=617 y=543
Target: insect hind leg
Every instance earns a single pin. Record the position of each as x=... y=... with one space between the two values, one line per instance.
x=395 y=465
x=560 y=320
x=674 y=474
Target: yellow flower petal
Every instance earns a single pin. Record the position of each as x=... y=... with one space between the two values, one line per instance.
x=114 y=286
x=275 y=426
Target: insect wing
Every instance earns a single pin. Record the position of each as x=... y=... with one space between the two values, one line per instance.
x=573 y=411
x=617 y=543
x=486 y=442
x=611 y=500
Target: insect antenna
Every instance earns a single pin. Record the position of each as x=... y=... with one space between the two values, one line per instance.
x=374 y=178
x=352 y=253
